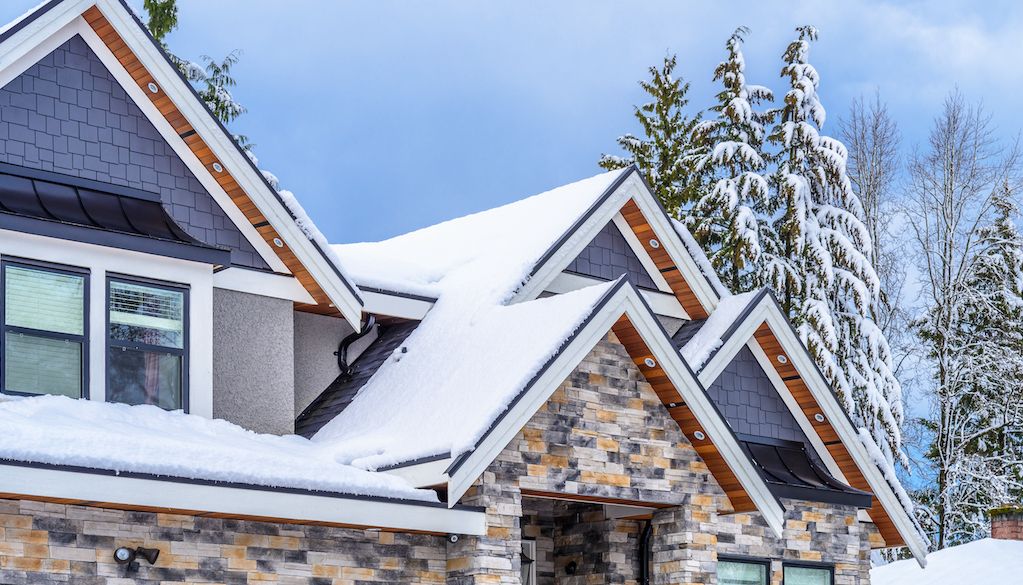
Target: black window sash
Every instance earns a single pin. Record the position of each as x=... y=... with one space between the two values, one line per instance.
x=119 y=343
x=83 y=339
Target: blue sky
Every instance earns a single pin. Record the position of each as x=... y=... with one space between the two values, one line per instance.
x=388 y=116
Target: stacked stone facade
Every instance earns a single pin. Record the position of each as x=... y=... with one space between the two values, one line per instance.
x=602 y=437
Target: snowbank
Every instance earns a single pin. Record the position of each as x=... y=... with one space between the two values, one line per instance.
x=987 y=561
x=147 y=439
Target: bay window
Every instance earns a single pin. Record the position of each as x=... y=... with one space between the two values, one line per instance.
x=147 y=343
x=44 y=329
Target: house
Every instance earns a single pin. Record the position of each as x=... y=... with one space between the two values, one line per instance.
x=197 y=387
x=996 y=559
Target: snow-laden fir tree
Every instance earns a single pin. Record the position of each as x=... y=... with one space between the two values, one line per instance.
x=977 y=443
x=824 y=277
x=212 y=80
x=667 y=153
x=731 y=221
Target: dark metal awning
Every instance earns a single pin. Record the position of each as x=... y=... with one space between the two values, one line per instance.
x=70 y=208
x=790 y=472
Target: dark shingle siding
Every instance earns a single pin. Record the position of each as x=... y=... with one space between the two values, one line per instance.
x=609 y=256
x=340 y=393
x=750 y=403
x=686 y=332
x=68 y=114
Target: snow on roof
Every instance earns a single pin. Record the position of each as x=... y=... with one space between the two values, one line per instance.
x=26 y=14
x=982 y=561
x=709 y=338
x=698 y=255
x=498 y=246
x=459 y=370
x=147 y=439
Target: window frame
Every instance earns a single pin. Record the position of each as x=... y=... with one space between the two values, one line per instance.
x=183 y=351
x=83 y=339
x=766 y=563
x=809 y=565
x=532 y=562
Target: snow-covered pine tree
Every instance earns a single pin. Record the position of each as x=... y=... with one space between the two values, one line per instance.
x=732 y=220
x=212 y=79
x=667 y=153
x=979 y=443
x=825 y=278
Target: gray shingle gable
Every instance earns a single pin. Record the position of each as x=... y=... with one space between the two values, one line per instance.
x=69 y=115
x=609 y=256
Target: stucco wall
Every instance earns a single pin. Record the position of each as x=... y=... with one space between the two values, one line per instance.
x=253 y=361
x=316 y=340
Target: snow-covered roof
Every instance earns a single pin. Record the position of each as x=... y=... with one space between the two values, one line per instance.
x=57 y=430
x=493 y=250
x=456 y=373
x=987 y=561
x=711 y=334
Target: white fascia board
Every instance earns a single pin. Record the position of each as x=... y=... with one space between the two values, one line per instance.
x=625 y=301
x=28 y=39
x=337 y=288
x=578 y=240
x=738 y=337
x=637 y=248
x=238 y=501
x=267 y=284
x=394 y=305
x=672 y=243
x=662 y=303
x=423 y=475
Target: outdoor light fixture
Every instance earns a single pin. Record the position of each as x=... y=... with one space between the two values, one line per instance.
x=279 y=242
x=782 y=359
x=126 y=556
x=819 y=417
x=218 y=167
x=153 y=87
x=699 y=435
x=655 y=244
x=672 y=404
x=649 y=362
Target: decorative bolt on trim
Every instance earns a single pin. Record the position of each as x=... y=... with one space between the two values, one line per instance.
x=279 y=242
x=153 y=88
x=819 y=417
x=783 y=359
x=699 y=435
x=218 y=167
x=654 y=244
x=650 y=362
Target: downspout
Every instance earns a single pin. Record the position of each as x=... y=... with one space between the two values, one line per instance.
x=644 y=553
x=342 y=348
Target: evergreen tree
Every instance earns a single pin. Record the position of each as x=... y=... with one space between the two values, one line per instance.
x=827 y=283
x=212 y=79
x=732 y=220
x=667 y=154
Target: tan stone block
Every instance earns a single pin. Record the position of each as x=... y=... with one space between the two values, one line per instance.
x=15 y=521
x=12 y=549
x=41 y=551
x=241 y=565
x=385 y=538
x=285 y=542
x=607 y=444
x=536 y=470
x=73 y=554
x=232 y=552
x=328 y=571
x=357 y=573
x=260 y=540
x=498 y=532
x=25 y=536
x=619 y=480
x=459 y=563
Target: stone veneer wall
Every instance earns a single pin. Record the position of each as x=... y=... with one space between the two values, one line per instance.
x=57 y=543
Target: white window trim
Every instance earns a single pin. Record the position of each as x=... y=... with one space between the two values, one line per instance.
x=101 y=260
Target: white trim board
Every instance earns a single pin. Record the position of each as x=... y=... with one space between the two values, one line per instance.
x=267 y=284
x=237 y=501
x=767 y=311
x=662 y=303
x=625 y=301
x=637 y=248
x=394 y=305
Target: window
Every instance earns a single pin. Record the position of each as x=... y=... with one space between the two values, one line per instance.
x=808 y=575
x=146 y=343
x=528 y=558
x=44 y=329
x=742 y=572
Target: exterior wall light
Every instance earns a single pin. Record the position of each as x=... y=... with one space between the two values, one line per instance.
x=655 y=244
x=153 y=88
x=126 y=556
x=819 y=417
x=218 y=167
x=783 y=359
x=650 y=363
x=279 y=242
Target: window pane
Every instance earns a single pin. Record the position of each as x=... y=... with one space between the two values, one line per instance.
x=145 y=314
x=738 y=573
x=807 y=576
x=144 y=377
x=39 y=365
x=44 y=300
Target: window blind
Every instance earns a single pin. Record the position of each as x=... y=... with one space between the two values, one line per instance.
x=146 y=314
x=44 y=300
